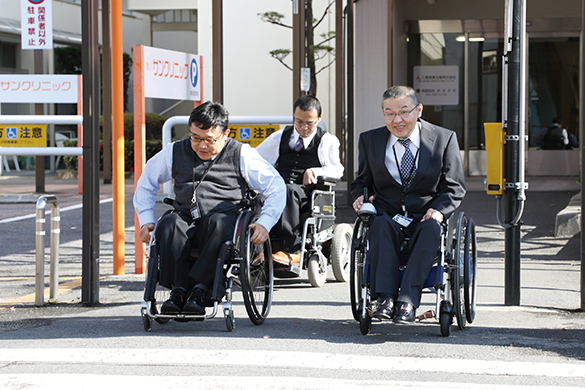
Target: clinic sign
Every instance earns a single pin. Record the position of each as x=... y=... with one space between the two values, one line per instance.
x=252 y=135
x=23 y=135
x=437 y=85
x=36 y=21
x=39 y=88
x=171 y=74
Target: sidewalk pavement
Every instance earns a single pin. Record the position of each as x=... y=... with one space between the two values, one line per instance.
x=550 y=265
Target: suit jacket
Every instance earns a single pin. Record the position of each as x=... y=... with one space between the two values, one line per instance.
x=439 y=182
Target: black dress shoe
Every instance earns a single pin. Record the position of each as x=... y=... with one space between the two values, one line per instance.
x=405 y=313
x=194 y=304
x=384 y=309
x=175 y=303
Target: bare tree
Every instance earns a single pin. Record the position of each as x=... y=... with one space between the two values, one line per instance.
x=314 y=51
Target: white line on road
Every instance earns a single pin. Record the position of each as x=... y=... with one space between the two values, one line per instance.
x=90 y=382
x=308 y=360
x=48 y=211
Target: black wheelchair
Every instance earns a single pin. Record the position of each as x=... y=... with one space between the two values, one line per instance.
x=238 y=264
x=323 y=242
x=452 y=278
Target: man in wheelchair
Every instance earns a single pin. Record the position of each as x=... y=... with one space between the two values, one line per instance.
x=211 y=174
x=413 y=171
x=300 y=153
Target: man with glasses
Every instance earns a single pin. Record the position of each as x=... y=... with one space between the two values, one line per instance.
x=413 y=171
x=211 y=173
x=300 y=153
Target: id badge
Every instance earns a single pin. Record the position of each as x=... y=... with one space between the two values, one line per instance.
x=195 y=215
x=402 y=220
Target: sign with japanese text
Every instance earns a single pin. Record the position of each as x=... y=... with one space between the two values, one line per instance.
x=437 y=85
x=252 y=134
x=36 y=20
x=23 y=135
x=171 y=74
x=38 y=88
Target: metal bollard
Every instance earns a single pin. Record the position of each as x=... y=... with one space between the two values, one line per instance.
x=40 y=241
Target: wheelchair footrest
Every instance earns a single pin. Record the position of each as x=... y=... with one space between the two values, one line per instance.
x=283 y=271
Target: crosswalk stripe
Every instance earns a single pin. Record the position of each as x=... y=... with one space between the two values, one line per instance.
x=308 y=360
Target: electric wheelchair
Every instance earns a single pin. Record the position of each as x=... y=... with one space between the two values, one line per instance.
x=238 y=265
x=452 y=278
x=323 y=242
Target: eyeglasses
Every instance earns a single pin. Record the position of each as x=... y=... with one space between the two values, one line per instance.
x=208 y=141
x=300 y=125
x=391 y=115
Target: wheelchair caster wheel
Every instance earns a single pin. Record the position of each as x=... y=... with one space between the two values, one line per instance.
x=146 y=322
x=445 y=318
x=230 y=321
x=365 y=324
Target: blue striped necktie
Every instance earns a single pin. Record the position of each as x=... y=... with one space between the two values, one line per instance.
x=407 y=166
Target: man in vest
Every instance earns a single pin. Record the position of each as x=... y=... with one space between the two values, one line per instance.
x=211 y=173
x=556 y=137
x=300 y=153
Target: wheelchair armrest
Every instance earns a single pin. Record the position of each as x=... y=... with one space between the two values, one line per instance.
x=169 y=201
x=326 y=183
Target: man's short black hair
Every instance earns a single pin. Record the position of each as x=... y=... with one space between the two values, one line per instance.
x=557 y=120
x=397 y=91
x=208 y=115
x=307 y=103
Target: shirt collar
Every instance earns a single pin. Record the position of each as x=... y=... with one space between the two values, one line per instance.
x=306 y=140
x=414 y=137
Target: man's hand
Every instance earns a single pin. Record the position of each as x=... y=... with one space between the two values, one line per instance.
x=309 y=177
x=357 y=204
x=260 y=234
x=433 y=214
x=144 y=233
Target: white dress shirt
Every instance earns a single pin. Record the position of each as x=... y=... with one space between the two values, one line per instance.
x=327 y=152
x=392 y=162
x=259 y=175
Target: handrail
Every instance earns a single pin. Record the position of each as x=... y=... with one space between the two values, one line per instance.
x=40 y=246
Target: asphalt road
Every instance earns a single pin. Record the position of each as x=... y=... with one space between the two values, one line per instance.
x=310 y=339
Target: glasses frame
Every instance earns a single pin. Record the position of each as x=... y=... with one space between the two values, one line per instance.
x=310 y=126
x=392 y=115
x=207 y=141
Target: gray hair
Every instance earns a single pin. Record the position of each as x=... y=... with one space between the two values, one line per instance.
x=397 y=91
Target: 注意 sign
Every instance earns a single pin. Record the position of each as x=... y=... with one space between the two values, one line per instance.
x=23 y=135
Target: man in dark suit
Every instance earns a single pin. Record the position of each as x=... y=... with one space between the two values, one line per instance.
x=414 y=174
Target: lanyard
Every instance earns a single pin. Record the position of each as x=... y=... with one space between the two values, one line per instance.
x=404 y=179
x=195 y=186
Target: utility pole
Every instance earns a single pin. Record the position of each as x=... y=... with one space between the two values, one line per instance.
x=514 y=121
x=91 y=111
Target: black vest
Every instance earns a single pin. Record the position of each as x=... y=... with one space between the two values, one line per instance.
x=290 y=164
x=222 y=189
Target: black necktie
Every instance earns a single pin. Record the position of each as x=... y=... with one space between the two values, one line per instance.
x=407 y=166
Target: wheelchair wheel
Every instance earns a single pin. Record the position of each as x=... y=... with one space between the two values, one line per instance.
x=457 y=272
x=340 y=251
x=146 y=322
x=317 y=270
x=356 y=267
x=469 y=271
x=256 y=273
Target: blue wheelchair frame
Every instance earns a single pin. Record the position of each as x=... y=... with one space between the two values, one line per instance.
x=452 y=278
